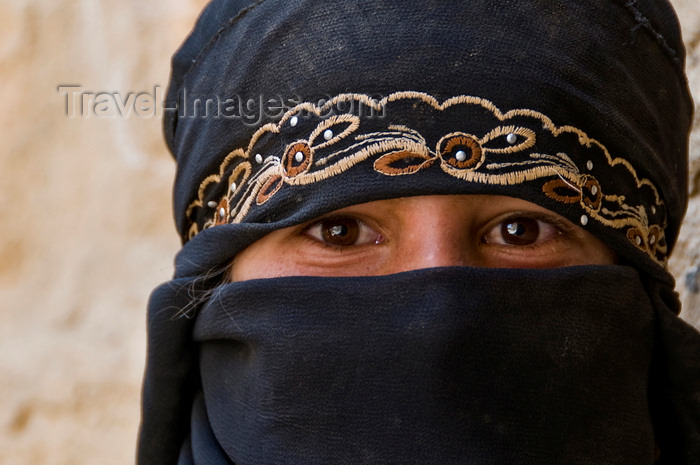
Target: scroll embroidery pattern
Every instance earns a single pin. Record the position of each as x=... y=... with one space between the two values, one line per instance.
x=480 y=144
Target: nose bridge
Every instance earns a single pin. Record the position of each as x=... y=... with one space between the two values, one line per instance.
x=434 y=236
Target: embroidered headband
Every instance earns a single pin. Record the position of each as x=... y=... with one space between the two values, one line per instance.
x=287 y=110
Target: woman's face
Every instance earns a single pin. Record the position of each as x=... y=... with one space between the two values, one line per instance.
x=390 y=236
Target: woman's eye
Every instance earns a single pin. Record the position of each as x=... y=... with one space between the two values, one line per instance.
x=343 y=232
x=521 y=231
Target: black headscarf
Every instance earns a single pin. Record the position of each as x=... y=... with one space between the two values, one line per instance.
x=286 y=110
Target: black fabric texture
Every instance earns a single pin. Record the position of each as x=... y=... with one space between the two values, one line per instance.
x=455 y=365
x=431 y=366
x=434 y=366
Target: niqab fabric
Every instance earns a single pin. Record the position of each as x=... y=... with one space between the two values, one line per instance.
x=431 y=366
x=581 y=107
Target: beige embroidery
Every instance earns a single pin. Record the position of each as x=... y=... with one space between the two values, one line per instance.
x=500 y=156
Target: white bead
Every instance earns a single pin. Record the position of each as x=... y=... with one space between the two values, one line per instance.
x=258 y=159
x=293 y=122
x=638 y=240
x=461 y=155
x=589 y=165
x=212 y=204
x=299 y=157
x=653 y=209
x=328 y=134
x=232 y=188
x=594 y=190
x=222 y=212
x=584 y=220
x=511 y=138
x=652 y=239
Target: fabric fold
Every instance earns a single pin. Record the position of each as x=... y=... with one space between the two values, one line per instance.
x=430 y=366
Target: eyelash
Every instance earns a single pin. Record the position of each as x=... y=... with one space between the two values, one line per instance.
x=304 y=232
x=563 y=229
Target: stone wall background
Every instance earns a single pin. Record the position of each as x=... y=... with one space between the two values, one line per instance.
x=87 y=229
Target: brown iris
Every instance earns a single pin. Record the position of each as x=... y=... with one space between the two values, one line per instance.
x=340 y=231
x=520 y=231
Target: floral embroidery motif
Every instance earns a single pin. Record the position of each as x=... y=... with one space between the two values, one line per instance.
x=491 y=147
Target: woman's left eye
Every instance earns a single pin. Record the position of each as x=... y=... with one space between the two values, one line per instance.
x=343 y=232
x=521 y=231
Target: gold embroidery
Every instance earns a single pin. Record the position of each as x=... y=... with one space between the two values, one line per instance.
x=637 y=237
x=221 y=212
x=591 y=194
x=412 y=162
x=453 y=144
x=561 y=191
x=527 y=137
x=334 y=122
x=502 y=155
x=269 y=188
x=297 y=159
x=238 y=177
x=656 y=241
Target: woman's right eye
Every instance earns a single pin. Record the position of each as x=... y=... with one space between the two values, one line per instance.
x=343 y=232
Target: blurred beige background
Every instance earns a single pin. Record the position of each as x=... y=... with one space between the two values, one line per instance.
x=87 y=228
